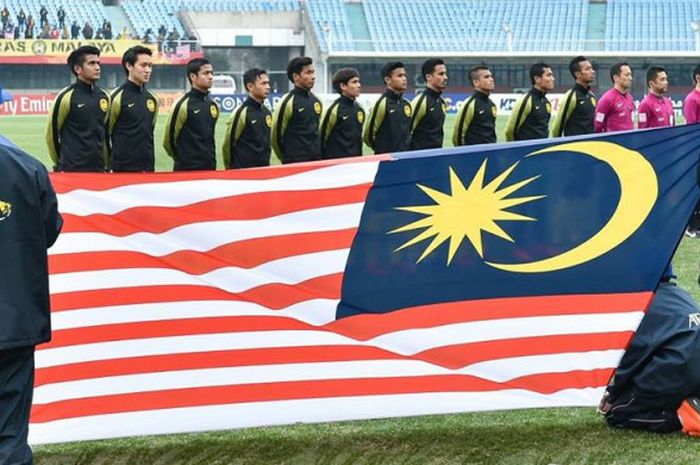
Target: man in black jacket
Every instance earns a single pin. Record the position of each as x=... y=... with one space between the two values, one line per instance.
x=341 y=129
x=189 y=131
x=389 y=125
x=657 y=382
x=476 y=120
x=530 y=117
x=132 y=115
x=29 y=224
x=428 y=108
x=577 y=107
x=295 y=124
x=247 y=141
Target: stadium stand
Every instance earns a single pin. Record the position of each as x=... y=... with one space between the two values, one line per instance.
x=91 y=11
x=151 y=14
x=331 y=14
x=644 y=25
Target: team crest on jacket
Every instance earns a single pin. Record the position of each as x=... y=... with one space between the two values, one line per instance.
x=5 y=210
x=494 y=111
x=104 y=105
x=549 y=107
x=214 y=111
x=593 y=101
x=268 y=121
x=151 y=105
x=361 y=117
x=317 y=108
x=407 y=110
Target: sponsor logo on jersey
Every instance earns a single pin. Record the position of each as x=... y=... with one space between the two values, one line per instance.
x=5 y=210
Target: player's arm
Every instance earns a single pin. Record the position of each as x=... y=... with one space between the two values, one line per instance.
x=643 y=115
x=601 y=115
x=328 y=122
x=564 y=113
x=234 y=128
x=690 y=111
x=57 y=116
x=520 y=111
x=419 y=107
x=173 y=127
x=465 y=116
x=280 y=120
x=376 y=118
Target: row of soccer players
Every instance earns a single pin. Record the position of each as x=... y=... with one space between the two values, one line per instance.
x=90 y=130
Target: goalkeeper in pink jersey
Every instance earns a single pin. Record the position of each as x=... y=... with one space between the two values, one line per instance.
x=656 y=110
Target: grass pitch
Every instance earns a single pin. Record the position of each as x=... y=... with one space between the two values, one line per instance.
x=543 y=436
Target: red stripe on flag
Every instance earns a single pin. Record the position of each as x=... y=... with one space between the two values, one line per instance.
x=368 y=326
x=272 y=296
x=243 y=254
x=452 y=357
x=547 y=383
x=247 y=207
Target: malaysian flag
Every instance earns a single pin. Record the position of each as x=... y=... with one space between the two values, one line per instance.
x=457 y=280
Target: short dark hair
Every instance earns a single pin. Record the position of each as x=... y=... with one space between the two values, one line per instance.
x=616 y=69
x=653 y=72
x=575 y=65
x=389 y=68
x=475 y=69
x=696 y=73
x=194 y=65
x=296 y=65
x=132 y=54
x=537 y=70
x=252 y=75
x=77 y=56
x=343 y=76
x=430 y=64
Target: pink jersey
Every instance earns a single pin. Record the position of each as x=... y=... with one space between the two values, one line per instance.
x=614 y=112
x=655 y=112
x=691 y=107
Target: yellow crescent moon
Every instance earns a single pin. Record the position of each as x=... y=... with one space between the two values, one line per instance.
x=638 y=192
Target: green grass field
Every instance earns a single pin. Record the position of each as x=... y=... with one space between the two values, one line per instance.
x=546 y=436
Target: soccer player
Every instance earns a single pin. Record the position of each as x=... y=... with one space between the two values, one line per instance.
x=657 y=381
x=132 y=115
x=247 y=141
x=341 y=128
x=76 y=128
x=656 y=110
x=389 y=126
x=691 y=112
x=295 y=123
x=530 y=117
x=29 y=224
x=616 y=106
x=189 y=131
x=577 y=107
x=476 y=120
x=428 y=108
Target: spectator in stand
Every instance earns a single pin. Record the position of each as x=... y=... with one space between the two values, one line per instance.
x=61 y=14
x=87 y=31
x=173 y=37
x=147 y=38
x=124 y=35
x=55 y=33
x=75 y=31
x=45 y=32
x=21 y=19
x=98 y=35
x=162 y=31
x=16 y=34
x=107 y=31
x=65 y=33
x=5 y=16
x=9 y=30
x=43 y=16
x=29 y=30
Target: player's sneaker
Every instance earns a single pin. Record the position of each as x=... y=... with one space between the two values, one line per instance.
x=689 y=415
x=693 y=233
